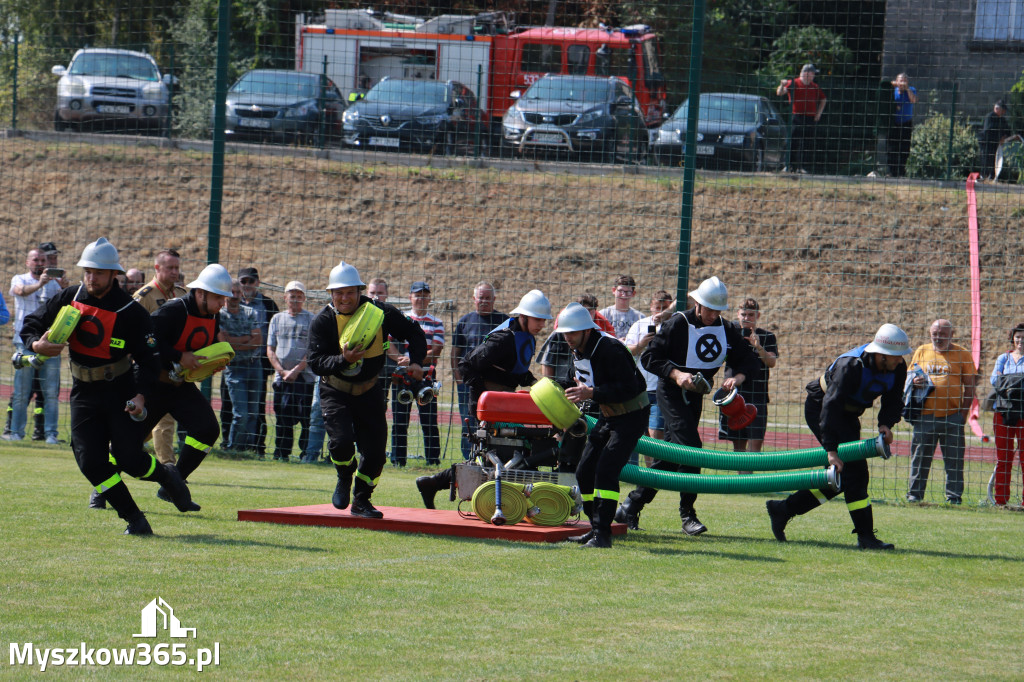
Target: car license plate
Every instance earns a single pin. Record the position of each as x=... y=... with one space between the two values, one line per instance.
x=384 y=141
x=113 y=109
x=553 y=138
x=706 y=149
x=254 y=122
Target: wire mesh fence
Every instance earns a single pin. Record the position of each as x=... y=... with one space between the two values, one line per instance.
x=545 y=145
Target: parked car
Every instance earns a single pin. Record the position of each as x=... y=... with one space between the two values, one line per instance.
x=283 y=106
x=421 y=115
x=734 y=132
x=115 y=87
x=586 y=115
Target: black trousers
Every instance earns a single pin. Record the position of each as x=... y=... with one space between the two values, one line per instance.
x=611 y=442
x=682 y=410
x=292 y=403
x=100 y=427
x=194 y=415
x=803 y=143
x=897 y=147
x=356 y=421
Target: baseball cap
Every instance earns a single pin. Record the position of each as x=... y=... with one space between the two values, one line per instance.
x=49 y=247
x=295 y=285
x=809 y=67
x=419 y=286
x=1001 y=103
x=248 y=272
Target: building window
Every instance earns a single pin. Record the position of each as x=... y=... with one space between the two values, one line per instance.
x=999 y=20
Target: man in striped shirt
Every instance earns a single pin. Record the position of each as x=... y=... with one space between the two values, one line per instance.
x=433 y=329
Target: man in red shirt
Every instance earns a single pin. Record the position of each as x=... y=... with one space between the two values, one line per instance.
x=808 y=104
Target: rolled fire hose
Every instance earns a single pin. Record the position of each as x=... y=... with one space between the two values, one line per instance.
x=819 y=479
x=756 y=461
x=513 y=502
x=550 y=503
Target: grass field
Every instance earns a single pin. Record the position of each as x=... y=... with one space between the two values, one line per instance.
x=320 y=603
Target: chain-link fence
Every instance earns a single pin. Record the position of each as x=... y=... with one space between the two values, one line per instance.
x=823 y=171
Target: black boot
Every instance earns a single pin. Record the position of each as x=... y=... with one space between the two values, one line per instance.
x=361 y=501
x=38 y=431
x=138 y=525
x=869 y=541
x=428 y=487
x=7 y=426
x=604 y=511
x=97 y=501
x=780 y=516
x=343 y=489
x=629 y=513
x=864 y=526
x=173 y=488
x=691 y=524
x=588 y=510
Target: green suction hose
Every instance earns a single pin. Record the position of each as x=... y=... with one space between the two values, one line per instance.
x=756 y=461
x=754 y=483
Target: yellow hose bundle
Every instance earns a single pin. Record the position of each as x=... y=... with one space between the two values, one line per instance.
x=550 y=399
x=65 y=323
x=362 y=328
x=217 y=356
x=513 y=502
x=551 y=503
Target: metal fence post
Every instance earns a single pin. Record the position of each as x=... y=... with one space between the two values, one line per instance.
x=690 y=154
x=952 y=126
x=14 y=104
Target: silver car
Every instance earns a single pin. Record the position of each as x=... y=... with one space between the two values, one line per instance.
x=111 y=86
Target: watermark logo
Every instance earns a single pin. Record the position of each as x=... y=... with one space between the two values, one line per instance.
x=158 y=622
x=159 y=612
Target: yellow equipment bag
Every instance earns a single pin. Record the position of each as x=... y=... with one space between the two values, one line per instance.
x=362 y=327
x=65 y=323
x=550 y=398
x=217 y=355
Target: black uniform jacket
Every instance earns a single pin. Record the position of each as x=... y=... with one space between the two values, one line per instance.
x=613 y=372
x=179 y=327
x=325 y=358
x=668 y=349
x=498 y=360
x=110 y=328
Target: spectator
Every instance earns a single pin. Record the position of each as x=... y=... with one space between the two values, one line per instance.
x=994 y=132
x=808 y=103
x=555 y=356
x=53 y=269
x=163 y=288
x=897 y=144
x=755 y=389
x=835 y=402
x=621 y=315
x=52 y=253
x=433 y=329
x=30 y=291
x=589 y=301
x=265 y=308
x=686 y=354
x=288 y=350
x=1008 y=380
x=952 y=373
x=469 y=333
x=134 y=279
x=639 y=335
x=240 y=328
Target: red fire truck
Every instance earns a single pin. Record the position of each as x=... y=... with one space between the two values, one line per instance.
x=356 y=48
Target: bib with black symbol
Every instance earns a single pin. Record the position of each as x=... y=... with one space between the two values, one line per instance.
x=584 y=367
x=705 y=347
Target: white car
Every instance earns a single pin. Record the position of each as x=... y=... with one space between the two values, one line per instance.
x=117 y=86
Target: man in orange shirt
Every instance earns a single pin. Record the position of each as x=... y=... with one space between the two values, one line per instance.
x=952 y=372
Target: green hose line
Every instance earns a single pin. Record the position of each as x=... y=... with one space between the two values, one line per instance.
x=752 y=461
x=819 y=479
x=513 y=502
x=550 y=504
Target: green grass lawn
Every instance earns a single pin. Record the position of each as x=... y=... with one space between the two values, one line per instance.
x=309 y=603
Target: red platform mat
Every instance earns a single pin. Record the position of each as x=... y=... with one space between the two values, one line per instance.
x=429 y=521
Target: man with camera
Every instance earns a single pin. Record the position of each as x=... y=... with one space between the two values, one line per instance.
x=32 y=290
x=685 y=354
x=637 y=339
x=351 y=396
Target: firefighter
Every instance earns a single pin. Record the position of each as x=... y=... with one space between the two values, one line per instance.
x=686 y=353
x=351 y=397
x=182 y=326
x=113 y=355
x=500 y=363
x=607 y=375
x=835 y=402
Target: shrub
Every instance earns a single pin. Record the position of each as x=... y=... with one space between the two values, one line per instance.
x=929 y=149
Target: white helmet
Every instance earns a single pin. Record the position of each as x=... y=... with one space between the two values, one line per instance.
x=534 y=304
x=890 y=340
x=575 y=318
x=344 y=275
x=100 y=255
x=711 y=294
x=214 y=278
